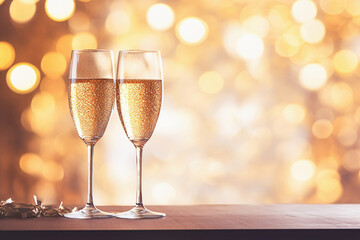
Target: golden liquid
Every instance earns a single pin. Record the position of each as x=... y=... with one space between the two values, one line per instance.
x=138 y=103
x=91 y=102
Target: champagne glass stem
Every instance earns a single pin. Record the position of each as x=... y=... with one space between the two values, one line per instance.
x=90 y=202
x=139 y=201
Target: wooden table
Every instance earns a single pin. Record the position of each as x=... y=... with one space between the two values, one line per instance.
x=285 y=221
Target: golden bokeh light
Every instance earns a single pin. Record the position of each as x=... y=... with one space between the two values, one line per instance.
x=313 y=76
x=163 y=192
x=322 y=128
x=329 y=189
x=280 y=18
x=192 y=30
x=345 y=61
x=53 y=64
x=160 y=16
x=351 y=160
x=59 y=11
x=328 y=163
x=244 y=83
x=257 y=25
x=313 y=31
x=353 y=7
x=263 y=80
x=23 y=78
x=303 y=170
x=284 y=48
x=293 y=36
x=31 y=163
x=347 y=136
x=29 y=1
x=79 y=22
x=250 y=47
x=7 y=55
x=327 y=173
x=52 y=171
x=43 y=104
x=303 y=10
x=21 y=12
x=341 y=96
x=42 y=125
x=55 y=86
x=211 y=82
x=84 y=40
x=43 y=114
x=64 y=45
x=114 y=18
x=294 y=113
x=333 y=7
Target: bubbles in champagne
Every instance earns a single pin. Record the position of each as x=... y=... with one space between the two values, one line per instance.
x=139 y=103
x=91 y=102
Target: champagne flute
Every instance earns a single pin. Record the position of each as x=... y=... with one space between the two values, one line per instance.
x=138 y=96
x=91 y=99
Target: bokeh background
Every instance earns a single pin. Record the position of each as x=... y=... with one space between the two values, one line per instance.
x=260 y=104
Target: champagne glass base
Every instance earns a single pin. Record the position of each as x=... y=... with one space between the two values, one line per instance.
x=139 y=212
x=88 y=212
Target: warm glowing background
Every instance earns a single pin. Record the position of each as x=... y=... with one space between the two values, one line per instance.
x=260 y=101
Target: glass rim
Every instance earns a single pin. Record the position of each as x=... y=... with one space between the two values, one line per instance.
x=91 y=50
x=139 y=51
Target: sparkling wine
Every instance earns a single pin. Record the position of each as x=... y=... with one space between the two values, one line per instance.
x=139 y=103
x=91 y=102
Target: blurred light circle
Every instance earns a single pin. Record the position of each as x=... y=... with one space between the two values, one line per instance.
x=293 y=36
x=313 y=76
x=257 y=25
x=53 y=64
x=64 y=45
x=164 y=193
x=23 y=78
x=342 y=96
x=351 y=160
x=280 y=18
x=304 y=10
x=347 y=136
x=345 y=61
x=31 y=164
x=59 y=11
x=232 y=32
x=7 y=55
x=43 y=103
x=211 y=82
x=192 y=30
x=29 y=1
x=80 y=22
x=160 y=16
x=84 y=40
x=302 y=170
x=284 y=48
x=1 y=1
x=249 y=47
x=329 y=189
x=294 y=113
x=55 y=86
x=22 y=12
x=313 y=31
x=322 y=128
x=52 y=171
x=333 y=7
x=114 y=18
x=353 y=7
